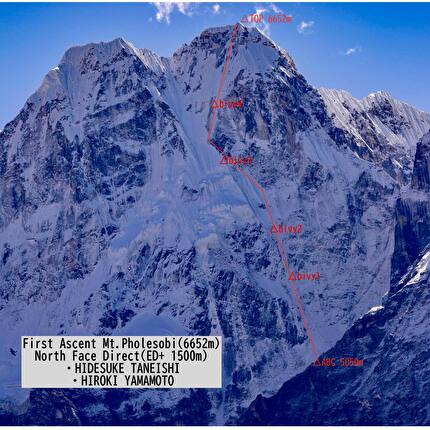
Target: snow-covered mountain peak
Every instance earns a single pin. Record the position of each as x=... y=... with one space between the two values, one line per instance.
x=378 y=95
x=102 y=51
x=378 y=122
x=221 y=29
x=97 y=75
x=252 y=48
x=109 y=53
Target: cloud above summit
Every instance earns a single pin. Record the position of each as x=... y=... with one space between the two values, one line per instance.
x=165 y=10
x=305 y=27
x=353 y=50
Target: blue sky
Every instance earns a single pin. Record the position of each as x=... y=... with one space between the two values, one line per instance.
x=361 y=48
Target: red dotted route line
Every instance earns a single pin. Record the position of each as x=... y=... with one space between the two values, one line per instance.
x=262 y=191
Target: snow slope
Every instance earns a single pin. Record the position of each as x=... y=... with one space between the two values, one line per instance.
x=391 y=388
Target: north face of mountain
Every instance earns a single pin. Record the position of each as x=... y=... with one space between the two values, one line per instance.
x=117 y=217
x=391 y=388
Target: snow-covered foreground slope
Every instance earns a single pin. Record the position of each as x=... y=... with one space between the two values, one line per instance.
x=117 y=217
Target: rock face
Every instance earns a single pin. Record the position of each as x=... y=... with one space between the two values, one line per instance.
x=117 y=217
x=392 y=388
x=412 y=231
x=421 y=177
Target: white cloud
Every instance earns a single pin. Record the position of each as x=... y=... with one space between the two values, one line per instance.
x=184 y=8
x=260 y=10
x=305 y=27
x=216 y=8
x=353 y=50
x=275 y=8
x=164 y=10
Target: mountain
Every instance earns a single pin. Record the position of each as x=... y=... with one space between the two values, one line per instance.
x=117 y=217
x=391 y=388
x=384 y=130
